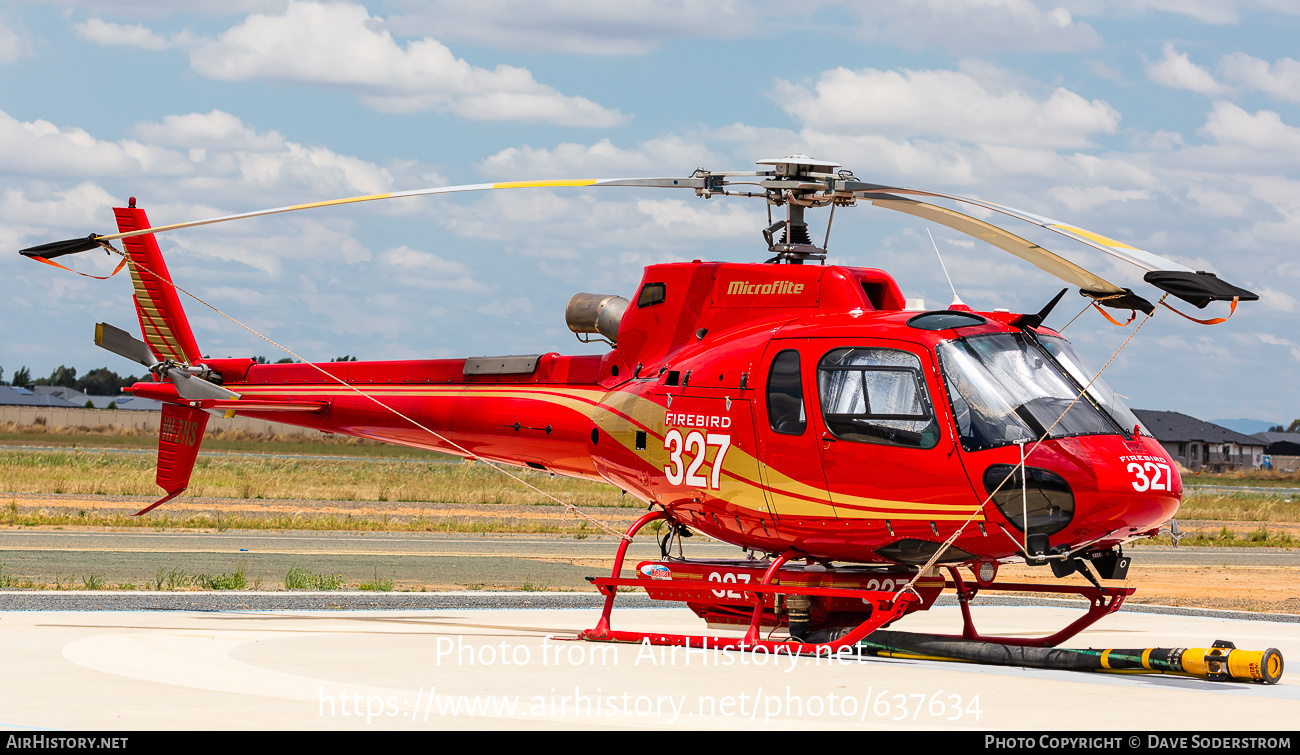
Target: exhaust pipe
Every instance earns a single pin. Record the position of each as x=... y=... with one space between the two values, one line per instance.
x=596 y=313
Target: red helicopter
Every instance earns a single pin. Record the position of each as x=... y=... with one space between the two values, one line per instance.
x=802 y=411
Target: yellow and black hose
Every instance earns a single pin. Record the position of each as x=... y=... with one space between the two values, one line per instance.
x=1221 y=662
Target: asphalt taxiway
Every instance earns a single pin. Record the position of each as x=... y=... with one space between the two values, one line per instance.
x=436 y=560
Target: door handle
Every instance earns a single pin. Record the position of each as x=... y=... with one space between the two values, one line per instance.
x=826 y=438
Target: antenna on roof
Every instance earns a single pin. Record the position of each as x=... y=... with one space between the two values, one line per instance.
x=956 y=300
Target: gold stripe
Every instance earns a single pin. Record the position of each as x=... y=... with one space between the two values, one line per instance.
x=1100 y=239
x=1105 y=658
x=332 y=202
x=612 y=411
x=539 y=184
x=1146 y=659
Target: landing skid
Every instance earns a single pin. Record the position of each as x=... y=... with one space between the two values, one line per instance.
x=881 y=606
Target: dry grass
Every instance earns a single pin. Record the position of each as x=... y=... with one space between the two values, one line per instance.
x=91 y=472
x=214 y=440
x=1239 y=507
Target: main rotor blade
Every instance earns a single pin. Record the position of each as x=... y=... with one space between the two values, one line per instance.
x=664 y=183
x=1130 y=254
x=1044 y=260
x=123 y=344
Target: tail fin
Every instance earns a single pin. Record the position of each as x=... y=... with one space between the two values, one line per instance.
x=167 y=332
x=162 y=319
x=178 y=447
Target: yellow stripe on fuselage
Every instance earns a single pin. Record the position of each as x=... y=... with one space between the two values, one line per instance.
x=620 y=407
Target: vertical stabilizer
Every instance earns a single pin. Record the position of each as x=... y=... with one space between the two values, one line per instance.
x=178 y=447
x=162 y=319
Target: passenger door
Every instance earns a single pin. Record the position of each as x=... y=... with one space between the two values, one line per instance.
x=886 y=445
x=789 y=459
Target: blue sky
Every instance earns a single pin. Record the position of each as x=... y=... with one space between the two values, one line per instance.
x=1173 y=125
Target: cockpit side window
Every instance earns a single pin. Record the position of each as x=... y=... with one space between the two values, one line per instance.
x=785 y=410
x=651 y=294
x=876 y=396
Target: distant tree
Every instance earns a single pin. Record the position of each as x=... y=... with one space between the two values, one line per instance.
x=259 y=360
x=286 y=360
x=2 y=376
x=90 y=404
x=111 y=405
x=1277 y=429
x=62 y=375
x=1295 y=426
x=104 y=382
x=344 y=358
x=22 y=377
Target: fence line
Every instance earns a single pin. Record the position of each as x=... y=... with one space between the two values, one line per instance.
x=59 y=416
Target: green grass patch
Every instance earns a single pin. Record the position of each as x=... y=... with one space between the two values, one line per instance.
x=298 y=578
x=233 y=581
x=1260 y=537
x=377 y=583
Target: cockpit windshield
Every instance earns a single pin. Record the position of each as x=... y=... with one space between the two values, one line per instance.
x=1006 y=388
x=1103 y=394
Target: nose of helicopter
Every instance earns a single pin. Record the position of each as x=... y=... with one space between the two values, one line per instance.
x=1087 y=489
x=1121 y=486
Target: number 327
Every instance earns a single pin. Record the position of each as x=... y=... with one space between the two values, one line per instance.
x=678 y=471
x=1155 y=482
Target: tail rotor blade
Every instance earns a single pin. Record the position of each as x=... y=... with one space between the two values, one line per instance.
x=123 y=344
x=197 y=389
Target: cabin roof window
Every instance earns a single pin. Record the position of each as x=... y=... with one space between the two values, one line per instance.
x=945 y=320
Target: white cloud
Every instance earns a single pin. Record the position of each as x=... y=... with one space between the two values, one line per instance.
x=427 y=270
x=341 y=45
x=1280 y=79
x=1262 y=131
x=585 y=27
x=1277 y=301
x=1216 y=12
x=12 y=45
x=669 y=156
x=62 y=180
x=41 y=148
x=973 y=24
x=1275 y=341
x=576 y=225
x=122 y=35
x=948 y=104
x=1177 y=71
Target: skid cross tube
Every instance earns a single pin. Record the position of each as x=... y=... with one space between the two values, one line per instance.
x=885 y=606
x=1102 y=601
x=885 y=609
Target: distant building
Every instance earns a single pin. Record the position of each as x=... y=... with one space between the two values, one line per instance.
x=1197 y=444
x=1283 y=450
x=11 y=395
x=79 y=399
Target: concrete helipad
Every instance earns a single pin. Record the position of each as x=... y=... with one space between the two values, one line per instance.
x=503 y=669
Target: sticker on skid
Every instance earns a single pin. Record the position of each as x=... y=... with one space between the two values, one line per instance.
x=656 y=571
